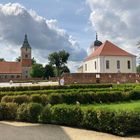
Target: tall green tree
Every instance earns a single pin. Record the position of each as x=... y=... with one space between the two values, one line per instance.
x=58 y=59
x=65 y=69
x=2 y=59
x=49 y=71
x=37 y=71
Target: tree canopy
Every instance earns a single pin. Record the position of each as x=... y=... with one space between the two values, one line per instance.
x=2 y=59
x=37 y=71
x=58 y=59
x=49 y=71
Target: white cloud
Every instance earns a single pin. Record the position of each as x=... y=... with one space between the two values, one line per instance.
x=44 y=35
x=117 y=20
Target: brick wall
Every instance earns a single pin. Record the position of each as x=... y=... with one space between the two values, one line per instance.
x=89 y=78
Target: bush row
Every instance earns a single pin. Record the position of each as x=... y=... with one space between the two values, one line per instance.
x=120 y=123
x=27 y=88
x=72 y=98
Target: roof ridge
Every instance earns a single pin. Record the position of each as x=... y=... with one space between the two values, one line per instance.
x=119 y=47
x=108 y=49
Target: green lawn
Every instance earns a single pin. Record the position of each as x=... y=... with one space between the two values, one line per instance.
x=130 y=106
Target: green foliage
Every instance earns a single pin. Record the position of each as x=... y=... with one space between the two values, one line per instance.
x=71 y=116
x=29 y=112
x=30 y=88
x=120 y=123
x=58 y=59
x=19 y=99
x=37 y=98
x=37 y=71
x=8 y=111
x=55 y=98
x=46 y=114
x=22 y=113
x=2 y=59
x=64 y=69
x=49 y=71
x=107 y=119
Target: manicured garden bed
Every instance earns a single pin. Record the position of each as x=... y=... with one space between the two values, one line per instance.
x=108 y=108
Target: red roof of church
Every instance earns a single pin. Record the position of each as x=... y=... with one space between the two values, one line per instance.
x=10 y=68
x=108 y=49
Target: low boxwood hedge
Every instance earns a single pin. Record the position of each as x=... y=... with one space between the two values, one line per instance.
x=29 y=112
x=8 y=111
x=117 y=122
x=29 y=88
x=72 y=98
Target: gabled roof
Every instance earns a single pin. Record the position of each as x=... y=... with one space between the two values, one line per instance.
x=108 y=49
x=10 y=68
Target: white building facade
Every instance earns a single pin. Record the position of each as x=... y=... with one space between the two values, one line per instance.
x=108 y=58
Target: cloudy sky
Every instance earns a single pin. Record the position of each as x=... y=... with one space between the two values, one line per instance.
x=53 y=25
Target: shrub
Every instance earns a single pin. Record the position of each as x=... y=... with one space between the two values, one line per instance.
x=55 y=98
x=90 y=119
x=29 y=112
x=8 y=111
x=126 y=122
x=46 y=115
x=7 y=99
x=116 y=122
x=134 y=95
x=19 y=99
x=37 y=98
x=29 y=88
x=67 y=115
x=22 y=112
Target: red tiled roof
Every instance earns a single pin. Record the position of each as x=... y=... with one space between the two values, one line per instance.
x=10 y=68
x=108 y=49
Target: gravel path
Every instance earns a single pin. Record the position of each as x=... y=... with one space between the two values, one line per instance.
x=7 y=84
x=27 y=131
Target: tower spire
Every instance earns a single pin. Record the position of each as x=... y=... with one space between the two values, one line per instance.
x=96 y=36
x=25 y=42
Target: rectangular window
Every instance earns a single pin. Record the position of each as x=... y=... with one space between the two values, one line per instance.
x=107 y=64
x=128 y=64
x=118 y=64
x=85 y=67
x=95 y=65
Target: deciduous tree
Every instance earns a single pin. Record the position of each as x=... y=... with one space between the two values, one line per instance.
x=58 y=59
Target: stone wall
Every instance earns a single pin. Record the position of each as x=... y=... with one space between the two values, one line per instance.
x=90 y=78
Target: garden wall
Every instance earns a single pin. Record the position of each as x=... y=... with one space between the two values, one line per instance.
x=90 y=78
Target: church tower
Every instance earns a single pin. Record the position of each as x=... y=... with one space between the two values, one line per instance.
x=95 y=45
x=26 y=60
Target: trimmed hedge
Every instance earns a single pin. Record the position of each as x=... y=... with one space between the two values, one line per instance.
x=29 y=112
x=29 y=88
x=8 y=111
x=19 y=99
x=120 y=123
x=72 y=98
x=117 y=122
x=71 y=116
